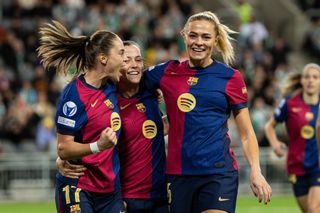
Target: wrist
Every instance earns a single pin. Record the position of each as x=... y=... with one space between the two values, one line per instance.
x=94 y=147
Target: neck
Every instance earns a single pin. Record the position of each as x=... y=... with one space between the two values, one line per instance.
x=200 y=63
x=93 y=78
x=128 y=90
x=310 y=98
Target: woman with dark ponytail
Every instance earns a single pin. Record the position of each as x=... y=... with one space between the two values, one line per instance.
x=87 y=119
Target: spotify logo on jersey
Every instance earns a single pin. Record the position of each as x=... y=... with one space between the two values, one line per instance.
x=307 y=132
x=115 y=121
x=186 y=102
x=149 y=129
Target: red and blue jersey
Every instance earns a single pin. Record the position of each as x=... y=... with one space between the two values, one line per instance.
x=142 y=147
x=83 y=112
x=300 y=119
x=199 y=102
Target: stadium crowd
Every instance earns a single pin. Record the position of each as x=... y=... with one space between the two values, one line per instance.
x=28 y=93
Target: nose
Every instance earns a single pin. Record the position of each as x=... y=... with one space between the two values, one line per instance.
x=199 y=41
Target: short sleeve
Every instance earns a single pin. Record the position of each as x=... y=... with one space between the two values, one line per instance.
x=237 y=91
x=281 y=112
x=71 y=114
x=154 y=74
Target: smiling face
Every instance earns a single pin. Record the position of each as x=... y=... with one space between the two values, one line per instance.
x=132 y=65
x=311 y=81
x=200 y=40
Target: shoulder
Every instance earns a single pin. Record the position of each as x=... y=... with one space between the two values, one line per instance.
x=170 y=63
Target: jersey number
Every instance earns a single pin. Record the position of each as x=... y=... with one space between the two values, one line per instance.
x=66 y=190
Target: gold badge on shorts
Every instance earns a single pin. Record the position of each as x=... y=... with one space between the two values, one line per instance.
x=292 y=178
x=75 y=208
x=186 y=102
x=307 y=132
x=115 y=121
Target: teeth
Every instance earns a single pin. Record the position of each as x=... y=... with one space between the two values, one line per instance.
x=133 y=73
x=197 y=50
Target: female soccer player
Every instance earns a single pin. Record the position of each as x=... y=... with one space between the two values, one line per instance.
x=299 y=111
x=141 y=144
x=200 y=93
x=87 y=120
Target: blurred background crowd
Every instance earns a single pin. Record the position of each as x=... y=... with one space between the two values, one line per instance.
x=28 y=93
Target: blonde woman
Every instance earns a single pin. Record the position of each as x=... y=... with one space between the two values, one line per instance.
x=299 y=110
x=200 y=94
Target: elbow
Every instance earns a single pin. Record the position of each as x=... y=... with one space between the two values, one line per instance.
x=62 y=152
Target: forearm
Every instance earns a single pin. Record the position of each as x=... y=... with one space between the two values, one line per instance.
x=271 y=133
x=72 y=150
x=251 y=150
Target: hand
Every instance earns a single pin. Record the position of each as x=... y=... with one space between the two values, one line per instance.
x=159 y=95
x=70 y=170
x=108 y=139
x=260 y=187
x=280 y=149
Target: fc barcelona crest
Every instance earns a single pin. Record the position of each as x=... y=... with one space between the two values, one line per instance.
x=109 y=104
x=192 y=81
x=75 y=208
x=141 y=107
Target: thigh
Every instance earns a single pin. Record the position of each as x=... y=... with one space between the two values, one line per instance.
x=314 y=191
x=218 y=192
x=70 y=199
x=180 y=193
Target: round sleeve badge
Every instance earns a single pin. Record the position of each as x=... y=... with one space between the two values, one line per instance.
x=69 y=109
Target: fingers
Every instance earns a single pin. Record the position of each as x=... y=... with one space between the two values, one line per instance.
x=111 y=134
x=263 y=192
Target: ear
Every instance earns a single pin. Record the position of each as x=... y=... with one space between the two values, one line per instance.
x=182 y=33
x=103 y=59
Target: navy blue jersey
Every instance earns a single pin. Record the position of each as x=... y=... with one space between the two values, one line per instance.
x=83 y=112
x=199 y=102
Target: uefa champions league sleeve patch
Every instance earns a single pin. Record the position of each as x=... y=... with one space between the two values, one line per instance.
x=69 y=109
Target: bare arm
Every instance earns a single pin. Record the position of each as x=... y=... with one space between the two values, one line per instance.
x=277 y=146
x=258 y=184
x=165 y=124
x=318 y=131
x=68 y=149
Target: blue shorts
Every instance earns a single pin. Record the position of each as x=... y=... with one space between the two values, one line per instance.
x=70 y=199
x=302 y=184
x=159 y=205
x=194 y=194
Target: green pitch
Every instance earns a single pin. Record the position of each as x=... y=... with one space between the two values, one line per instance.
x=283 y=204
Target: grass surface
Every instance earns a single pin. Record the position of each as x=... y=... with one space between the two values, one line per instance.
x=279 y=204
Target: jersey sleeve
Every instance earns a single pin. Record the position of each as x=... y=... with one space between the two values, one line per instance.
x=154 y=74
x=237 y=91
x=281 y=112
x=71 y=114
